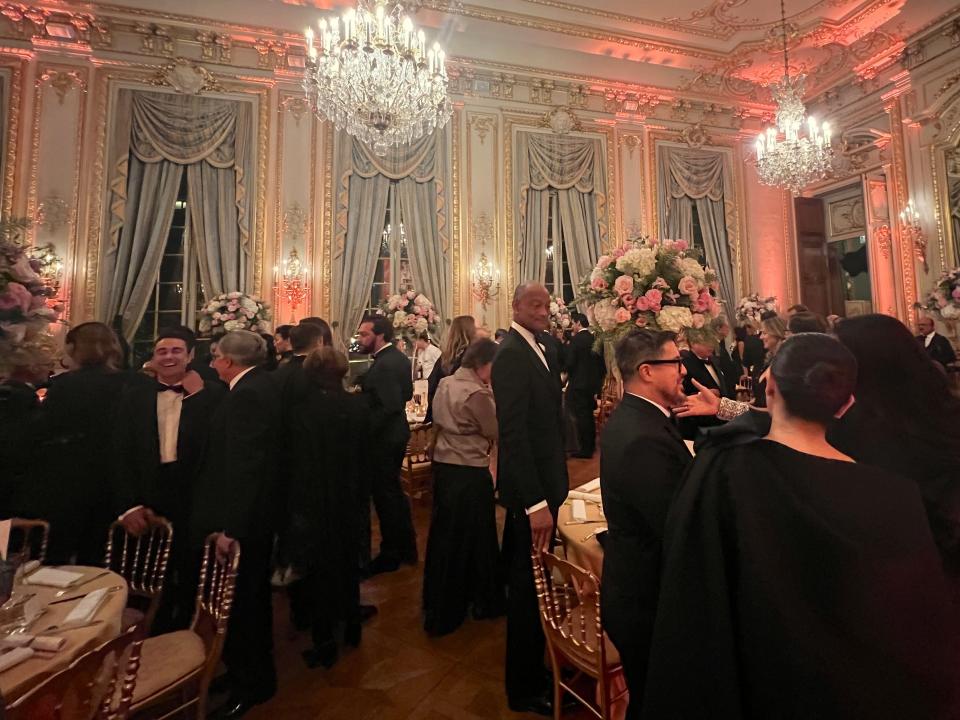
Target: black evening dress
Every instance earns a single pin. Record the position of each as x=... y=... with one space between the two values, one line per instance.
x=796 y=587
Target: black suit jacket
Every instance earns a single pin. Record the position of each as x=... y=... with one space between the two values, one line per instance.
x=753 y=353
x=137 y=449
x=585 y=368
x=728 y=360
x=237 y=489
x=531 y=465
x=697 y=370
x=939 y=349
x=642 y=459
x=389 y=387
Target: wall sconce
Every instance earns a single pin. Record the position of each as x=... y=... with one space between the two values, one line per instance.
x=49 y=266
x=484 y=281
x=293 y=282
x=912 y=233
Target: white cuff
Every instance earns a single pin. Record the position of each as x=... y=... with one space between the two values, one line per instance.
x=133 y=509
x=534 y=508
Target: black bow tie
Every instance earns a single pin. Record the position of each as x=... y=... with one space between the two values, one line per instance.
x=175 y=388
x=706 y=361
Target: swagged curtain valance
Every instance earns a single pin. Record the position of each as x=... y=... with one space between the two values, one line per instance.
x=572 y=166
x=156 y=137
x=419 y=171
x=689 y=178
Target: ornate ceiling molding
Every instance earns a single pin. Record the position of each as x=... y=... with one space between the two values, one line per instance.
x=186 y=77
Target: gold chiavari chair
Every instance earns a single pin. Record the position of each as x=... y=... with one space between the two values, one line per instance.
x=416 y=473
x=610 y=396
x=96 y=686
x=176 y=668
x=142 y=561
x=29 y=539
x=569 y=600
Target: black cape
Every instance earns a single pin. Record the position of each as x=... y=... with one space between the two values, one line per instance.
x=799 y=587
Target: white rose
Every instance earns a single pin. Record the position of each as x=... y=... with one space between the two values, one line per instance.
x=421 y=300
x=950 y=312
x=674 y=318
x=421 y=325
x=605 y=312
x=231 y=325
x=248 y=304
x=691 y=267
x=554 y=308
x=398 y=317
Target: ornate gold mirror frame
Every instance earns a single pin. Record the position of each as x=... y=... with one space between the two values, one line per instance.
x=945 y=159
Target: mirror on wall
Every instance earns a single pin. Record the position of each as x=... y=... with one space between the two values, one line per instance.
x=952 y=164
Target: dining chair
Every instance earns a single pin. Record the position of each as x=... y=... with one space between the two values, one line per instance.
x=141 y=561
x=416 y=473
x=176 y=668
x=98 y=685
x=569 y=601
x=29 y=538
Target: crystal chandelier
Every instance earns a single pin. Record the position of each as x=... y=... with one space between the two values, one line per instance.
x=370 y=73
x=785 y=158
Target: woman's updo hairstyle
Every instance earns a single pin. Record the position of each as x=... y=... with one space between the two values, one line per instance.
x=815 y=376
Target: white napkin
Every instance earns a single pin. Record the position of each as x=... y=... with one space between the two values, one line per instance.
x=15 y=657
x=86 y=608
x=590 y=487
x=589 y=497
x=578 y=508
x=53 y=577
x=5 y=526
x=17 y=640
x=48 y=643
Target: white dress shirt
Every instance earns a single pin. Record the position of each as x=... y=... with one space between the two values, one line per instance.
x=236 y=378
x=426 y=360
x=929 y=339
x=169 y=407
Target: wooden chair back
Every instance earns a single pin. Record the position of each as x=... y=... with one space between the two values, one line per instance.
x=142 y=561
x=416 y=473
x=96 y=686
x=28 y=539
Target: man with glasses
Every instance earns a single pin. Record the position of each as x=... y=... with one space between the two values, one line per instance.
x=642 y=457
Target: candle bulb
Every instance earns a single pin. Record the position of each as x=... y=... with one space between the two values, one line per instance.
x=760 y=148
x=811 y=127
x=826 y=133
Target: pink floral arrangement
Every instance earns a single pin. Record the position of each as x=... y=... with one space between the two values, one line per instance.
x=234 y=311
x=753 y=306
x=25 y=312
x=411 y=313
x=559 y=314
x=944 y=300
x=657 y=284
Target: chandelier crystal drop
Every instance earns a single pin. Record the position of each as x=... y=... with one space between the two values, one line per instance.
x=370 y=72
x=797 y=151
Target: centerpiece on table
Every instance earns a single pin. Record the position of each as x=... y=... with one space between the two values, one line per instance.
x=411 y=313
x=25 y=312
x=648 y=283
x=560 y=318
x=943 y=302
x=234 y=311
x=752 y=307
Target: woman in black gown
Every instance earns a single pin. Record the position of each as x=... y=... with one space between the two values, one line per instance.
x=796 y=583
x=328 y=437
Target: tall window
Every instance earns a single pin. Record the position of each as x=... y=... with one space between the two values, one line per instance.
x=558 y=281
x=177 y=292
x=393 y=272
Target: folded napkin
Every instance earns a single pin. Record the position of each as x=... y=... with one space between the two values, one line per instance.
x=53 y=577
x=17 y=639
x=591 y=486
x=44 y=643
x=589 y=497
x=86 y=608
x=29 y=567
x=578 y=508
x=15 y=657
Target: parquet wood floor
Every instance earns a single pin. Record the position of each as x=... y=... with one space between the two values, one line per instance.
x=398 y=672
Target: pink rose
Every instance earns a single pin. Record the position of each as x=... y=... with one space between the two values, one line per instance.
x=652 y=242
x=661 y=284
x=688 y=286
x=654 y=298
x=411 y=295
x=618 y=253
x=681 y=245
x=956 y=293
x=698 y=320
x=704 y=301
x=642 y=304
x=605 y=261
x=667 y=243
x=627 y=301
x=599 y=284
x=623 y=285
x=16 y=296
x=622 y=315
x=641 y=321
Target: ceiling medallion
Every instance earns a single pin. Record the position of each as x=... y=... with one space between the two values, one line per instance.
x=370 y=72
x=785 y=158
x=186 y=77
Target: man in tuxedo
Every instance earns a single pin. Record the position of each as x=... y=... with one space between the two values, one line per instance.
x=425 y=356
x=728 y=356
x=937 y=346
x=161 y=432
x=388 y=386
x=702 y=365
x=304 y=339
x=642 y=458
x=532 y=482
x=235 y=498
x=585 y=371
x=281 y=341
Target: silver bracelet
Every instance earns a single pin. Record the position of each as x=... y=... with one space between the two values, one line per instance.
x=729 y=409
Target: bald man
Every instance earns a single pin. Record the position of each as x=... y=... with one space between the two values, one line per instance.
x=937 y=346
x=532 y=480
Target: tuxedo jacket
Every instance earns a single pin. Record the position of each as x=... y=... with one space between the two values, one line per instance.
x=585 y=368
x=753 y=353
x=388 y=387
x=531 y=464
x=237 y=491
x=939 y=349
x=697 y=370
x=642 y=459
x=137 y=480
x=729 y=362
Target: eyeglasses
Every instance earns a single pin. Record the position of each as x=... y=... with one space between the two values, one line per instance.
x=678 y=361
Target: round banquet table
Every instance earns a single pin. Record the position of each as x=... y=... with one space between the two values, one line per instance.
x=582 y=550
x=21 y=678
